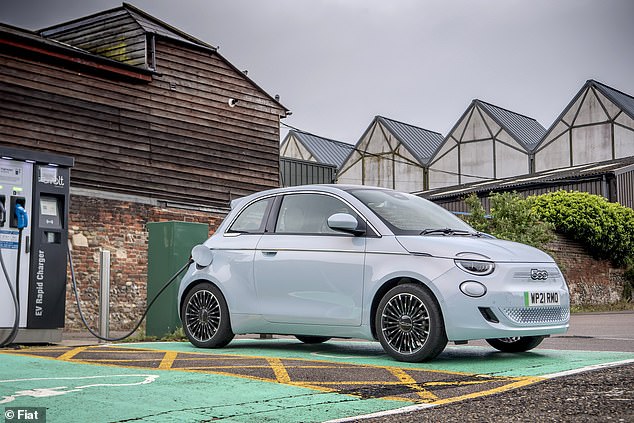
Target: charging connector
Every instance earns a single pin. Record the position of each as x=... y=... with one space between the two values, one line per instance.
x=22 y=219
x=17 y=210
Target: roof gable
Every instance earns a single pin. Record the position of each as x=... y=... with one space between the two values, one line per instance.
x=325 y=150
x=120 y=34
x=525 y=130
x=422 y=143
x=622 y=100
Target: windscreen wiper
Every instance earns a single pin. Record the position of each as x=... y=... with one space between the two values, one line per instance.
x=448 y=231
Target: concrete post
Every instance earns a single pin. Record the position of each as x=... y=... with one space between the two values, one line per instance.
x=104 y=293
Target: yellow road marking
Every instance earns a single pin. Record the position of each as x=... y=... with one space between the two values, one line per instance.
x=405 y=378
x=280 y=371
x=282 y=376
x=523 y=381
x=68 y=355
x=168 y=360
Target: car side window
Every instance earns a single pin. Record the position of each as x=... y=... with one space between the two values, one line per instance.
x=253 y=218
x=309 y=213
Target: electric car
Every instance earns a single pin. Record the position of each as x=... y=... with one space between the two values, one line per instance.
x=323 y=261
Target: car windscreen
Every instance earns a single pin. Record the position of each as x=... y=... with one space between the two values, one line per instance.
x=407 y=214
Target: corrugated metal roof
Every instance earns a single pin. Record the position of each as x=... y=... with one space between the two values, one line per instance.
x=325 y=150
x=622 y=100
x=422 y=143
x=527 y=131
x=575 y=173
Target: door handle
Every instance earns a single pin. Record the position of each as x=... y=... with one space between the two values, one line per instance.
x=269 y=253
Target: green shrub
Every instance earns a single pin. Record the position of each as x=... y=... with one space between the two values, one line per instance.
x=605 y=229
x=512 y=218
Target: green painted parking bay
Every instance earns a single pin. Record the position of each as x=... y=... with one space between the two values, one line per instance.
x=265 y=380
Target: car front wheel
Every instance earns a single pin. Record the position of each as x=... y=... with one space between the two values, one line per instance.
x=409 y=324
x=516 y=344
x=205 y=317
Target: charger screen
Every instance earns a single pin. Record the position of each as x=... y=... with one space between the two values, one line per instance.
x=48 y=206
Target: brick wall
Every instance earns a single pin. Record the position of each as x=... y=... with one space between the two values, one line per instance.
x=590 y=281
x=117 y=226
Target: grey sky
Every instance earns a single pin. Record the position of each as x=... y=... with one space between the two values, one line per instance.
x=338 y=63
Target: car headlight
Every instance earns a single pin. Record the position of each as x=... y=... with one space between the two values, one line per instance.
x=475 y=267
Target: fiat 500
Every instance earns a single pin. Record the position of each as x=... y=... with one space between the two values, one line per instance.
x=327 y=261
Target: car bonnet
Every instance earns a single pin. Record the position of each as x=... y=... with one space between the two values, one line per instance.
x=448 y=246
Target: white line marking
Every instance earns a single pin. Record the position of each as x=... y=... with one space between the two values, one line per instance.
x=401 y=410
x=62 y=390
x=587 y=369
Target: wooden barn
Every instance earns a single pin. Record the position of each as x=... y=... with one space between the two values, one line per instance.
x=488 y=142
x=161 y=126
x=391 y=154
x=597 y=125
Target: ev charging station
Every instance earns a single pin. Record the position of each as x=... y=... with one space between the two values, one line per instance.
x=34 y=196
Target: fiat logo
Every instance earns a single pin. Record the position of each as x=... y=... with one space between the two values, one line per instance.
x=539 y=275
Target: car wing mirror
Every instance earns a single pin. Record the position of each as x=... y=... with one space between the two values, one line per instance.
x=344 y=222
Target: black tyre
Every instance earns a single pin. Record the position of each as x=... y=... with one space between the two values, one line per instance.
x=409 y=324
x=517 y=344
x=205 y=317
x=306 y=339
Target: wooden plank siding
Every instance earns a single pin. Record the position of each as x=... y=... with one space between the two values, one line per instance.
x=115 y=35
x=175 y=139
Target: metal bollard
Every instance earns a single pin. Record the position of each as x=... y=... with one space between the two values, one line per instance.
x=104 y=294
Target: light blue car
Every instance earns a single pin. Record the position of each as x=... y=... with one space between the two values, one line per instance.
x=325 y=261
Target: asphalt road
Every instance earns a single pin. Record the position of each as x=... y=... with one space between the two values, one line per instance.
x=597 y=396
x=612 y=331
x=594 y=396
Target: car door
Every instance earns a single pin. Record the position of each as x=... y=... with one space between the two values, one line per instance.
x=233 y=257
x=305 y=272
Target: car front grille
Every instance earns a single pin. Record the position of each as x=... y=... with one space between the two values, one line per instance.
x=532 y=315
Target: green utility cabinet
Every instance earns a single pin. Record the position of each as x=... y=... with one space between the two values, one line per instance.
x=169 y=248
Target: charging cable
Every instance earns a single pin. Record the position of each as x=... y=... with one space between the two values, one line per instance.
x=81 y=313
x=16 y=322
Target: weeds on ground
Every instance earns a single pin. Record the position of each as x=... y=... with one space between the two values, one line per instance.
x=596 y=308
x=176 y=335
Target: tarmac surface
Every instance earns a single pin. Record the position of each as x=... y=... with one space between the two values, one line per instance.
x=603 y=395
x=584 y=375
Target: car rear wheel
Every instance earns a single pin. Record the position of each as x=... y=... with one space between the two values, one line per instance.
x=409 y=324
x=205 y=317
x=306 y=339
x=516 y=344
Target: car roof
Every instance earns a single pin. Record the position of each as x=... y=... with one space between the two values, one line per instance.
x=332 y=188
